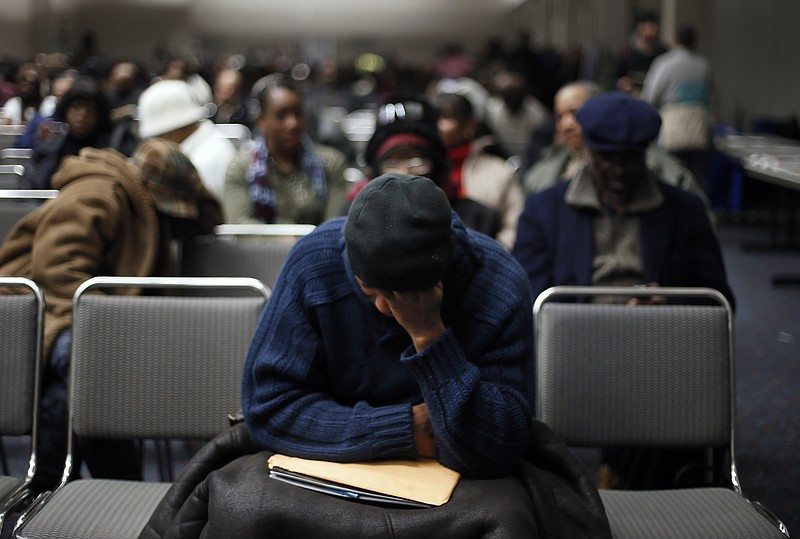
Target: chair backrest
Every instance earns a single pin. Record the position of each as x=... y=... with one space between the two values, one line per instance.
x=650 y=375
x=16 y=156
x=238 y=134
x=256 y=251
x=159 y=366
x=10 y=176
x=21 y=320
x=17 y=203
x=9 y=135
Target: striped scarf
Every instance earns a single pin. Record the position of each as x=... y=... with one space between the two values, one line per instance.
x=258 y=180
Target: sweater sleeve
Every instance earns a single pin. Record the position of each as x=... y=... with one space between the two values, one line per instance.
x=480 y=397
x=285 y=391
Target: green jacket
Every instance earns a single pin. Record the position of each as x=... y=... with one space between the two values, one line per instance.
x=296 y=202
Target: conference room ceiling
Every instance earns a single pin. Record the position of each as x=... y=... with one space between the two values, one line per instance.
x=408 y=30
x=352 y=18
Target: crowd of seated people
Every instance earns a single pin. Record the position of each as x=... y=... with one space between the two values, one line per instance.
x=466 y=128
x=510 y=87
x=293 y=167
x=570 y=182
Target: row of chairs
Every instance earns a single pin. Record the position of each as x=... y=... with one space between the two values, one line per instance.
x=232 y=251
x=184 y=327
x=238 y=134
x=14 y=160
x=607 y=375
x=143 y=367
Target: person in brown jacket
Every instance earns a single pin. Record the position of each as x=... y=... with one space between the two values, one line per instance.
x=112 y=216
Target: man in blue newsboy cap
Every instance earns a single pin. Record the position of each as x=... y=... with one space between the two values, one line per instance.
x=617 y=224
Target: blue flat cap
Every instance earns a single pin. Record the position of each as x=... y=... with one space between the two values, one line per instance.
x=616 y=121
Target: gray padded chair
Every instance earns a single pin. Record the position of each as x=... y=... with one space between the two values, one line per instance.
x=9 y=135
x=145 y=367
x=16 y=156
x=238 y=134
x=17 y=203
x=256 y=251
x=10 y=176
x=21 y=322
x=657 y=375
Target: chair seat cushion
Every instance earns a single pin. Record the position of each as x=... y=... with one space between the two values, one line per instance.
x=96 y=509
x=8 y=484
x=710 y=513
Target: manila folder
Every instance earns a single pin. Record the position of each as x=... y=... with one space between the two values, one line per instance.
x=425 y=481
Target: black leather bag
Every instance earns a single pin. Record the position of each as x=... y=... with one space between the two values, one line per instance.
x=225 y=491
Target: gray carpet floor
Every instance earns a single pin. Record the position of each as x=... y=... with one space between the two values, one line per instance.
x=767 y=347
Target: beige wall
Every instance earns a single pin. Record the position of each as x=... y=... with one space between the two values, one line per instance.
x=753 y=47
x=755 y=54
x=15 y=40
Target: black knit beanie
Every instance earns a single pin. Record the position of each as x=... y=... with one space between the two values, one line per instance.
x=398 y=233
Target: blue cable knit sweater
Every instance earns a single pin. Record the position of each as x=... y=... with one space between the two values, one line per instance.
x=328 y=377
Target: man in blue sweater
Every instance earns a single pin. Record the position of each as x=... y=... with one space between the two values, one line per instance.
x=396 y=333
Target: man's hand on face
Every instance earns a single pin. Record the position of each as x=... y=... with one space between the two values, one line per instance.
x=418 y=311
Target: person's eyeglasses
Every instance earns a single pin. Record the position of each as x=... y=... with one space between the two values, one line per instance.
x=408 y=111
x=416 y=165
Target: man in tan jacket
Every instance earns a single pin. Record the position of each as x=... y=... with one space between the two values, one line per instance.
x=112 y=216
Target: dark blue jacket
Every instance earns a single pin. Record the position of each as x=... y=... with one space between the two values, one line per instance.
x=679 y=247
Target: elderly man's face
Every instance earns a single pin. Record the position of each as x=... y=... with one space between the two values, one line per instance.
x=615 y=176
x=568 y=131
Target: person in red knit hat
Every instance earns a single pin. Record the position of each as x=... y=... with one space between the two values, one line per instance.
x=407 y=141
